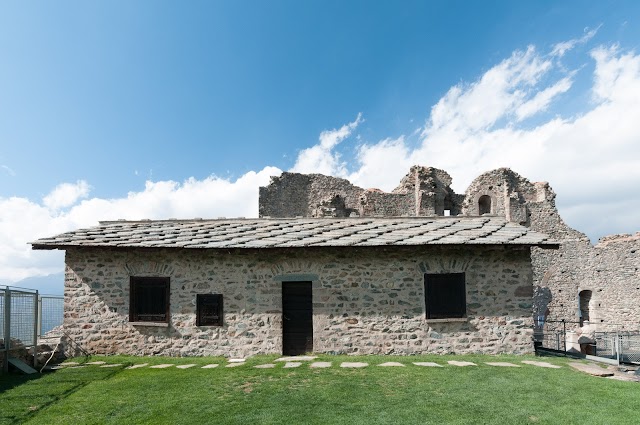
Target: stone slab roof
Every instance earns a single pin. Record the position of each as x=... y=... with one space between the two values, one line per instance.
x=299 y=232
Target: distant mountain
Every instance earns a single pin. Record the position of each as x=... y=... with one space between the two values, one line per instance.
x=52 y=284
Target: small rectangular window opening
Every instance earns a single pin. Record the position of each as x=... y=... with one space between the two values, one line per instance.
x=209 y=310
x=445 y=295
x=149 y=300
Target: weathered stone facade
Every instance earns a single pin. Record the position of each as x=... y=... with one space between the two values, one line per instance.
x=608 y=270
x=365 y=300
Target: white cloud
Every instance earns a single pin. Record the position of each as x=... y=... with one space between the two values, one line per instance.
x=8 y=170
x=542 y=99
x=322 y=158
x=22 y=220
x=66 y=194
x=563 y=47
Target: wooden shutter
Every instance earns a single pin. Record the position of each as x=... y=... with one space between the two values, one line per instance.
x=445 y=295
x=209 y=310
x=149 y=299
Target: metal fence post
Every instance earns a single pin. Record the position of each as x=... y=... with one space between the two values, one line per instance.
x=564 y=332
x=35 y=329
x=7 y=329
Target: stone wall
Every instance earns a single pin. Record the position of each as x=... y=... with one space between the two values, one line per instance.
x=609 y=270
x=365 y=300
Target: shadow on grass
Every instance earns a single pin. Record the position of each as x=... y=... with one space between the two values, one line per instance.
x=22 y=396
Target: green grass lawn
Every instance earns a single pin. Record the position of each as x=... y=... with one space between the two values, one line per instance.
x=373 y=395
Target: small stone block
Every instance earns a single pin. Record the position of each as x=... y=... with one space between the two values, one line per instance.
x=457 y=363
x=98 y=362
x=161 y=366
x=234 y=364
x=427 y=364
x=502 y=364
x=291 y=364
x=391 y=364
x=296 y=359
x=354 y=364
x=320 y=365
x=137 y=366
x=236 y=360
x=265 y=366
x=111 y=365
x=185 y=366
x=210 y=366
x=541 y=364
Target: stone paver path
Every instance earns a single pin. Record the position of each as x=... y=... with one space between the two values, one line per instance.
x=96 y=363
x=111 y=365
x=391 y=364
x=288 y=365
x=427 y=364
x=502 y=364
x=235 y=364
x=186 y=366
x=541 y=364
x=591 y=369
x=137 y=366
x=265 y=366
x=353 y=364
x=161 y=366
x=320 y=365
x=210 y=366
x=296 y=359
x=457 y=363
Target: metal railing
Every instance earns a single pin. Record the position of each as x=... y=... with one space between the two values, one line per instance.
x=24 y=316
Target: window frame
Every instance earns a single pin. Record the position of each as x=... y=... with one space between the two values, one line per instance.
x=433 y=292
x=136 y=285
x=202 y=300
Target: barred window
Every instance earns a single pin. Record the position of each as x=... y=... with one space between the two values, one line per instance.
x=149 y=301
x=209 y=310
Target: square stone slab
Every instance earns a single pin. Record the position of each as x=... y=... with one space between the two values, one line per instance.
x=234 y=364
x=186 y=366
x=96 y=362
x=137 y=366
x=591 y=369
x=70 y=364
x=296 y=359
x=111 y=365
x=210 y=366
x=541 y=364
x=161 y=366
x=427 y=364
x=391 y=364
x=353 y=364
x=320 y=365
x=236 y=360
x=502 y=364
x=292 y=364
x=457 y=363
x=265 y=366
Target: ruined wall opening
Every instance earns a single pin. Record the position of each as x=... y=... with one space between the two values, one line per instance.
x=484 y=205
x=584 y=298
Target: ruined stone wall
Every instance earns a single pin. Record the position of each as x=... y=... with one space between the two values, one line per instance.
x=365 y=300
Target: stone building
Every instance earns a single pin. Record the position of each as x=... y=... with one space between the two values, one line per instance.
x=578 y=282
x=337 y=284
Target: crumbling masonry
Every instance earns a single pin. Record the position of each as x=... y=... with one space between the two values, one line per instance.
x=579 y=281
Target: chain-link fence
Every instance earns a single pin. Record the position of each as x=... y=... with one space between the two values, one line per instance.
x=24 y=315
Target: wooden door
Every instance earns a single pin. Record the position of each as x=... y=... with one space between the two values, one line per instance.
x=297 y=324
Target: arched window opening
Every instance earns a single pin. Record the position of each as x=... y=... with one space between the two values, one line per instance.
x=584 y=298
x=484 y=205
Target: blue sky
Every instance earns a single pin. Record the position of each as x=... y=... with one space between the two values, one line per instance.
x=161 y=109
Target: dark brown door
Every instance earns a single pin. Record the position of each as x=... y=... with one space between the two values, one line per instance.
x=297 y=324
